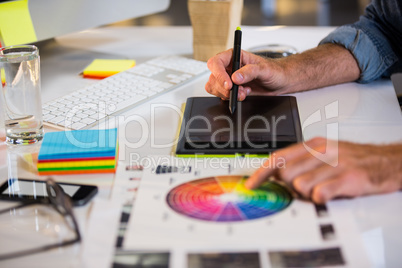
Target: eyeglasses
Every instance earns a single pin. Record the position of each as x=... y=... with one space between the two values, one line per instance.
x=39 y=226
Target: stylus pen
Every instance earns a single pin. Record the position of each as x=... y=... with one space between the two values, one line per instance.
x=236 y=65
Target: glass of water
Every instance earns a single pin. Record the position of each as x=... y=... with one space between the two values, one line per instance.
x=21 y=94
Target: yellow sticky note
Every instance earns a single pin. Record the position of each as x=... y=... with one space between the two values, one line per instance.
x=16 y=26
x=101 y=68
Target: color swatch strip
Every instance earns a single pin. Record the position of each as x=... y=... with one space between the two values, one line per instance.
x=225 y=199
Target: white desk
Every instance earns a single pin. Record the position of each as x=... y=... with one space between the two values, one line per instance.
x=366 y=113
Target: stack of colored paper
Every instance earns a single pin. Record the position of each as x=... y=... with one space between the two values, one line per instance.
x=101 y=68
x=78 y=151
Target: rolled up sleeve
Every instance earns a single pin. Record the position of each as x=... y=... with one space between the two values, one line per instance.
x=368 y=45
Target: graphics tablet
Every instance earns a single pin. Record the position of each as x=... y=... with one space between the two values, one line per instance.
x=260 y=125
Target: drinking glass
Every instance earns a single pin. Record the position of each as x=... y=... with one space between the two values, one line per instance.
x=21 y=94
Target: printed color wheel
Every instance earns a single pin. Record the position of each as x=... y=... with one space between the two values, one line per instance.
x=225 y=199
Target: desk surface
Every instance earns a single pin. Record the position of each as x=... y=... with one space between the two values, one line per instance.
x=363 y=113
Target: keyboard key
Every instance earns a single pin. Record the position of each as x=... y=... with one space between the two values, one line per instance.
x=98 y=116
x=56 y=120
x=148 y=93
x=165 y=85
x=81 y=115
x=157 y=89
x=175 y=81
x=57 y=112
x=57 y=105
x=64 y=109
x=48 y=117
x=64 y=101
x=86 y=99
x=78 y=125
x=74 y=119
x=89 y=112
x=88 y=121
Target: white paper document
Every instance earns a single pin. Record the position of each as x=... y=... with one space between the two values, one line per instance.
x=202 y=215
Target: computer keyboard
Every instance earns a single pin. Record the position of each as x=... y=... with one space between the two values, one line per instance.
x=88 y=106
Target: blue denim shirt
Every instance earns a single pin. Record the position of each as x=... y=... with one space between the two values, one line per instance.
x=375 y=40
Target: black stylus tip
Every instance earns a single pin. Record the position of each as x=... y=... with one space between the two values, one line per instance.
x=232 y=109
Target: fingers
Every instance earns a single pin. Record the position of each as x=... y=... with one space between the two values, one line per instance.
x=302 y=161
x=295 y=160
x=345 y=184
x=306 y=183
x=219 y=82
x=246 y=74
x=259 y=177
x=220 y=62
x=254 y=68
x=267 y=170
x=243 y=93
x=224 y=95
x=307 y=168
x=213 y=87
x=281 y=156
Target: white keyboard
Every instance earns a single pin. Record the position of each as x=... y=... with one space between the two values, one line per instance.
x=88 y=106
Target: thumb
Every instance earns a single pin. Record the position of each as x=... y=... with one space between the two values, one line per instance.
x=246 y=74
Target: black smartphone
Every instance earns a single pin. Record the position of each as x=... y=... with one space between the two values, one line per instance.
x=29 y=190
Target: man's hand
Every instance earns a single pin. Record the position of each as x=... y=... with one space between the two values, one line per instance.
x=359 y=170
x=255 y=74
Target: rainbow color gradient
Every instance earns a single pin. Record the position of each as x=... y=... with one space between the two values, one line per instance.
x=225 y=199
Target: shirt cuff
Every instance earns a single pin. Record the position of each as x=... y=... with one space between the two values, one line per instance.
x=371 y=61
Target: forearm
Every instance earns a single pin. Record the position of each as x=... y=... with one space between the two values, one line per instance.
x=325 y=65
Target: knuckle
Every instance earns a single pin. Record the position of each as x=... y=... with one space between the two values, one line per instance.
x=342 y=164
x=225 y=94
x=319 y=194
x=230 y=51
x=208 y=87
x=284 y=174
x=353 y=176
x=220 y=77
x=318 y=140
x=210 y=63
x=300 y=186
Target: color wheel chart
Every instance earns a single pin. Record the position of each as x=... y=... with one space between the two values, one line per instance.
x=225 y=199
